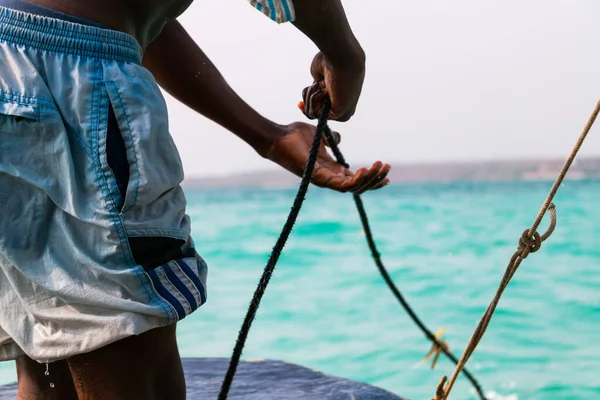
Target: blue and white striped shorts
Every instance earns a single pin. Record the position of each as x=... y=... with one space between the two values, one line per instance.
x=69 y=281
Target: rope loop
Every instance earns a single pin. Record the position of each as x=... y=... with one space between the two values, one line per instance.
x=440 y=391
x=552 y=226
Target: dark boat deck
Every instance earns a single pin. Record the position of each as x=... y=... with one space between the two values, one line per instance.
x=263 y=380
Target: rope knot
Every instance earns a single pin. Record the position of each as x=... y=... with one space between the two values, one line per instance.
x=532 y=242
x=529 y=244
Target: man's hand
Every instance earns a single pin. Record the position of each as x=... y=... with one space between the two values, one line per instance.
x=338 y=70
x=291 y=152
x=343 y=86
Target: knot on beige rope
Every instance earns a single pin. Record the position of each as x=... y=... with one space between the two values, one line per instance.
x=529 y=244
x=531 y=241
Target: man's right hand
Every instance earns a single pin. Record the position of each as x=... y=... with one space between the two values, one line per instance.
x=342 y=84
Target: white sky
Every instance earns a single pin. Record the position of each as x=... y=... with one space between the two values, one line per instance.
x=446 y=80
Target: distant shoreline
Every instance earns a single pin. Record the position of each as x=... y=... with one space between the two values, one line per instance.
x=585 y=168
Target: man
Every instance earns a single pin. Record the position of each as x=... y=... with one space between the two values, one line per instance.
x=96 y=260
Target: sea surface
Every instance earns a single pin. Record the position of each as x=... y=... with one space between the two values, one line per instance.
x=446 y=246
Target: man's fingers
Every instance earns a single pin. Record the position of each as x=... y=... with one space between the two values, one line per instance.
x=368 y=177
x=360 y=178
x=376 y=174
x=304 y=105
x=363 y=180
x=313 y=97
x=380 y=179
x=382 y=184
x=316 y=102
x=372 y=184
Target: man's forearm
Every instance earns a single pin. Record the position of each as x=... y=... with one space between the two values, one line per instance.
x=325 y=23
x=182 y=69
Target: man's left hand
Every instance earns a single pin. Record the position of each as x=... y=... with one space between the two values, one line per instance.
x=291 y=151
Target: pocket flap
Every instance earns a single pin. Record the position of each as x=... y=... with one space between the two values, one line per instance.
x=20 y=110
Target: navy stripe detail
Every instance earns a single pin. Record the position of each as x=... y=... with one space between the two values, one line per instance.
x=164 y=293
x=180 y=286
x=190 y=274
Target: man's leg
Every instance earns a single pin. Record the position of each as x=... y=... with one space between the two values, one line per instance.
x=144 y=367
x=34 y=384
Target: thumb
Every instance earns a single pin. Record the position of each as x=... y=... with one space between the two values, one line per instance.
x=336 y=137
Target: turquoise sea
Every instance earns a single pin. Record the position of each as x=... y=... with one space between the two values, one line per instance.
x=446 y=246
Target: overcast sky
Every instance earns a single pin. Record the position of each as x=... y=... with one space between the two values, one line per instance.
x=446 y=80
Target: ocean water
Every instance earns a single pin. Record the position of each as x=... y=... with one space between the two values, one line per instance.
x=446 y=246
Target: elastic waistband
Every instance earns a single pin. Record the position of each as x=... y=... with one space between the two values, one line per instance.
x=66 y=37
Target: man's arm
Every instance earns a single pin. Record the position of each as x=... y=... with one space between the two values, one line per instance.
x=182 y=69
x=325 y=23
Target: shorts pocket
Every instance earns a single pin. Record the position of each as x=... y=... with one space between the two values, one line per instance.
x=14 y=111
x=116 y=156
x=118 y=152
x=155 y=167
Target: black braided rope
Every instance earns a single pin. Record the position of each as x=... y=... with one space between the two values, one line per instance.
x=283 y=237
x=401 y=299
x=322 y=129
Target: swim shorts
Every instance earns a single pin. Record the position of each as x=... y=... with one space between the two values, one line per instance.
x=95 y=243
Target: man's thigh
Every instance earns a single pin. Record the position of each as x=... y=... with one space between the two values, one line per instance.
x=145 y=367
x=40 y=382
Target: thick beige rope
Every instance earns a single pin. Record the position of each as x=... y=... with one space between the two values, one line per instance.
x=530 y=242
